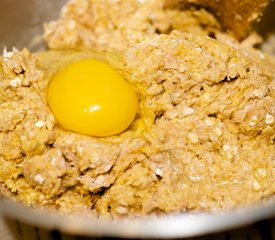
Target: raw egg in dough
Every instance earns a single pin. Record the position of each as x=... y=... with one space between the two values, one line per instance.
x=90 y=97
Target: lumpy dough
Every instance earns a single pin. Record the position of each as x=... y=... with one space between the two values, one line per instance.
x=203 y=138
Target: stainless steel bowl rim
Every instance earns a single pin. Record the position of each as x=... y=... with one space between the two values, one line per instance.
x=167 y=226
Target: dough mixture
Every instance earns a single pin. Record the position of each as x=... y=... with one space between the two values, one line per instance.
x=203 y=136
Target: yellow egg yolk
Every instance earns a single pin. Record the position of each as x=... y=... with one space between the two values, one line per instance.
x=89 y=97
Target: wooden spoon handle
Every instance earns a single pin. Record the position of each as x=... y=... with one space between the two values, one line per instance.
x=235 y=16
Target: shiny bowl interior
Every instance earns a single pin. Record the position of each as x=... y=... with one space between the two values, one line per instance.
x=181 y=225
x=21 y=22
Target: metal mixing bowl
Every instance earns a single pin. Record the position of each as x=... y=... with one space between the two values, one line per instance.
x=169 y=226
x=22 y=21
x=21 y=26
